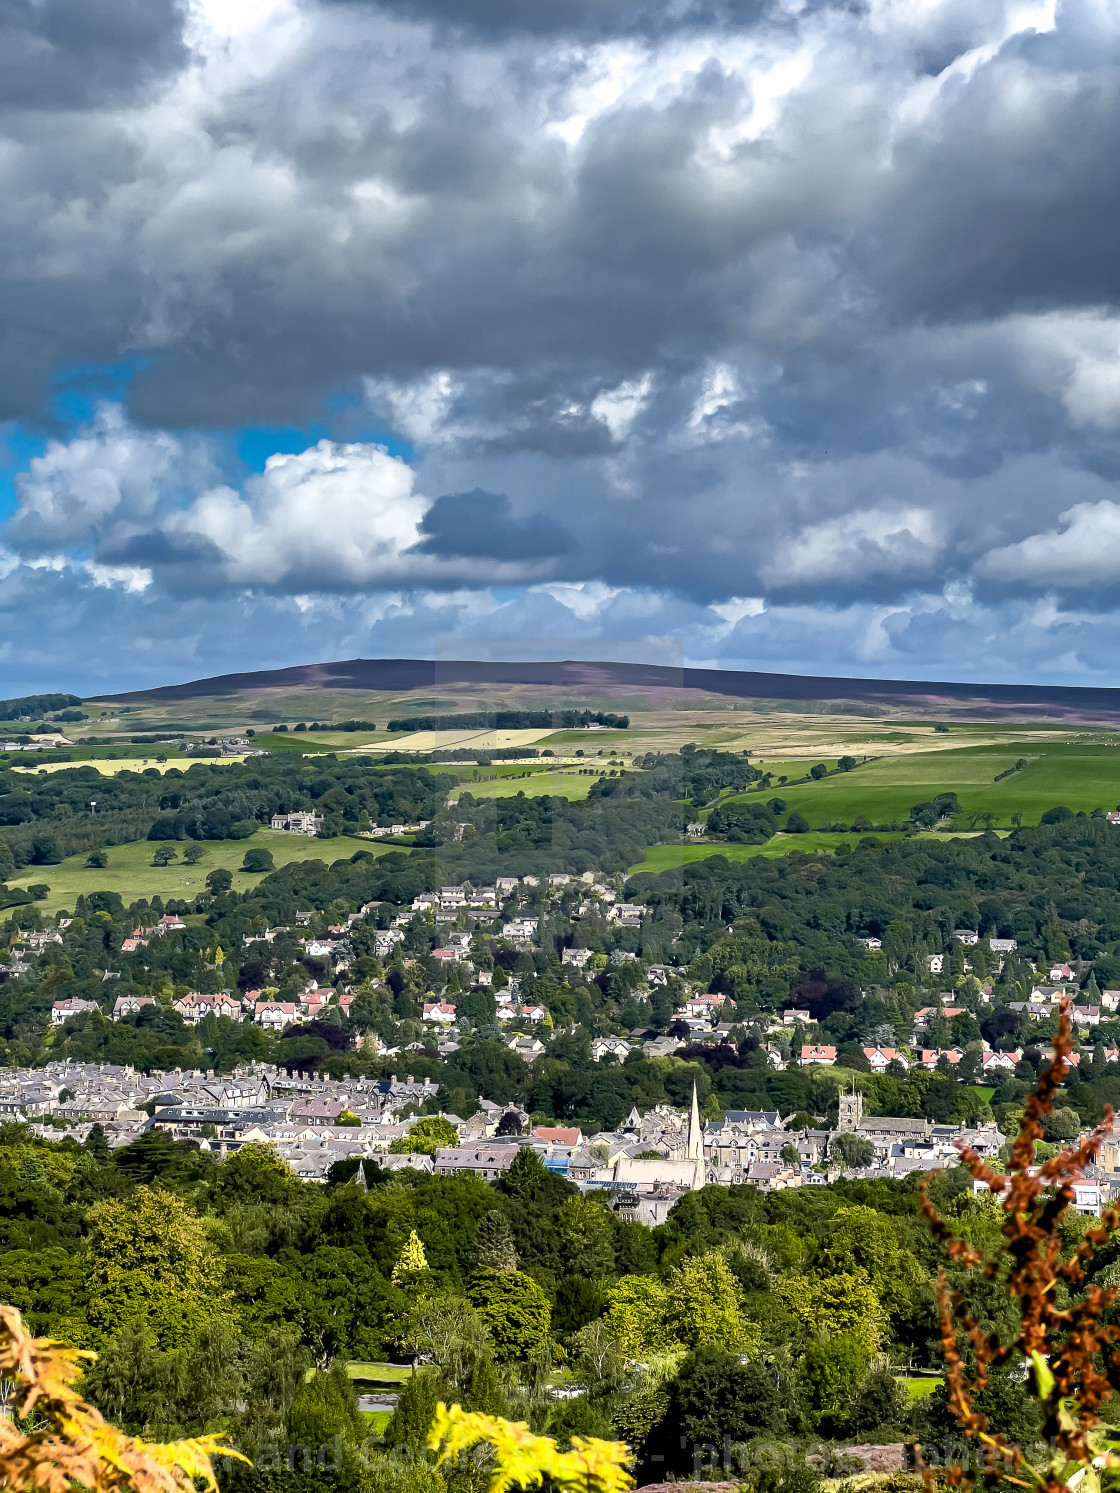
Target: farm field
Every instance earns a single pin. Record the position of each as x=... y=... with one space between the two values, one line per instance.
x=448 y=741
x=108 y=767
x=668 y=857
x=556 y=782
x=131 y=873
x=1079 y=774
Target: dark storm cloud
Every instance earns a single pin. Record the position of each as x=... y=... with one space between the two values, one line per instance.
x=591 y=20
x=482 y=525
x=157 y=548
x=68 y=54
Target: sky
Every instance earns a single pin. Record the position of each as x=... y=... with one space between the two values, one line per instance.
x=758 y=334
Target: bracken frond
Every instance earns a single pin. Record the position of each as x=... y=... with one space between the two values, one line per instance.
x=72 y=1443
x=523 y=1460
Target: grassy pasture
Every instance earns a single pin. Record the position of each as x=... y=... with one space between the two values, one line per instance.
x=669 y=857
x=1080 y=775
x=131 y=873
x=556 y=782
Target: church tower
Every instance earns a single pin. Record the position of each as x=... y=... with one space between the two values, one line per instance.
x=695 y=1134
x=851 y=1112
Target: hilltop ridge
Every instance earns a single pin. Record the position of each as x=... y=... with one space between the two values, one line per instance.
x=658 y=684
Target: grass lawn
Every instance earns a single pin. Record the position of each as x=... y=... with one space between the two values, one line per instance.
x=377 y=1420
x=917 y=1389
x=985 y=1092
x=379 y=1373
x=131 y=873
x=1079 y=774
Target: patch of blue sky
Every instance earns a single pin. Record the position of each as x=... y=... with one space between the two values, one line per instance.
x=17 y=448
x=256 y=443
x=77 y=390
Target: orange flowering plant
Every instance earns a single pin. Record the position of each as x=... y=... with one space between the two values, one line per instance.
x=1062 y=1337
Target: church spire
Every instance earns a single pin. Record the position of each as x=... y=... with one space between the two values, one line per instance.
x=695 y=1134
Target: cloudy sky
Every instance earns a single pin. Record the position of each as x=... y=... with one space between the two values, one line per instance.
x=775 y=334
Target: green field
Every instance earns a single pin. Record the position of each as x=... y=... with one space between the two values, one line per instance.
x=1080 y=775
x=669 y=857
x=917 y=1389
x=556 y=782
x=131 y=873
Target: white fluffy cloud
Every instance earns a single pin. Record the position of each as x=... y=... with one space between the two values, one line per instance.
x=332 y=516
x=108 y=475
x=859 y=544
x=1083 y=554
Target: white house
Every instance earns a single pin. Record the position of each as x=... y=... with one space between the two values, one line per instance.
x=61 y=1010
x=578 y=957
x=128 y=1005
x=519 y=928
x=274 y=1016
x=929 y=1056
x=999 y=1062
x=298 y=823
x=966 y=935
x=819 y=1055
x=604 y=1045
x=879 y=1057
x=703 y=1005
x=628 y=914
x=441 y=1012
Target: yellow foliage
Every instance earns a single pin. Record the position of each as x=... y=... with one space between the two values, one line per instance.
x=412 y=1258
x=841 y=1304
x=523 y=1460
x=72 y=1444
x=699 y=1306
x=152 y=1258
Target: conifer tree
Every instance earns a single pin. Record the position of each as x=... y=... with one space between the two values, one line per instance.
x=412 y=1259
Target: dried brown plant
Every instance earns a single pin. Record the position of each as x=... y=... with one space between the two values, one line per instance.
x=1065 y=1346
x=55 y=1441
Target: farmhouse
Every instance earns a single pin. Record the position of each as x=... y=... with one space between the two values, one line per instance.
x=298 y=823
